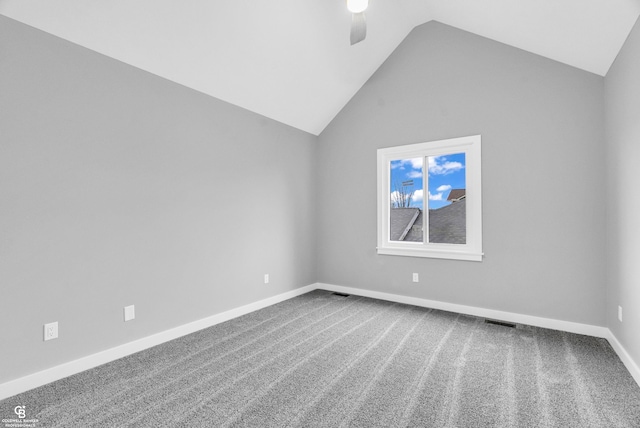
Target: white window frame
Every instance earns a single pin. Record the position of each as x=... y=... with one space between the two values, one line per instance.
x=472 y=250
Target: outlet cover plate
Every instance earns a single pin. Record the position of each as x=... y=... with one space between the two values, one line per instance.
x=129 y=312
x=51 y=331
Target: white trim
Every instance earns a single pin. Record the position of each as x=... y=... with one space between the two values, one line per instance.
x=392 y=250
x=624 y=356
x=568 y=326
x=13 y=387
x=471 y=146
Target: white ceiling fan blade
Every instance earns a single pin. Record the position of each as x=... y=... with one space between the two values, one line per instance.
x=358 y=28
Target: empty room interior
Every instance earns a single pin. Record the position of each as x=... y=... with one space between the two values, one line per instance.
x=213 y=213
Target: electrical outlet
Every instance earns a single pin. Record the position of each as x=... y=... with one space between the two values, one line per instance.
x=266 y=278
x=129 y=312
x=51 y=331
x=416 y=278
x=620 y=313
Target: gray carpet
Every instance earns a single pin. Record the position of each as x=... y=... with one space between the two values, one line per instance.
x=331 y=361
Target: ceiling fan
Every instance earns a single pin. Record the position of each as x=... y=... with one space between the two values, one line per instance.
x=358 y=21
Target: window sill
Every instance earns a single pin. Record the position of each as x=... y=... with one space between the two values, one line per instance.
x=431 y=253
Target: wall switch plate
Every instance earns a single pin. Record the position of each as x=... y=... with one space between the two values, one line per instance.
x=416 y=278
x=620 y=313
x=266 y=278
x=129 y=312
x=51 y=331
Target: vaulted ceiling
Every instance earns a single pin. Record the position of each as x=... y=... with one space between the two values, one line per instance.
x=290 y=60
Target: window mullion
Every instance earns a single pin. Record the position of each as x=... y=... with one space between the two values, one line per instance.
x=456 y=232
x=425 y=200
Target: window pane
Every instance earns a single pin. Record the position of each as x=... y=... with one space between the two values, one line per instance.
x=447 y=199
x=405 y=219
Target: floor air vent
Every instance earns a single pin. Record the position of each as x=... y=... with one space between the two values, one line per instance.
x=501 y=323
x=341 y=294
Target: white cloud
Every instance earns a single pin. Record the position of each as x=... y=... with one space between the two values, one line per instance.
x=416 y=163
x=415 y=174
x=439 y=165
x=417 y=196
x=444 y=188
x=436 y=197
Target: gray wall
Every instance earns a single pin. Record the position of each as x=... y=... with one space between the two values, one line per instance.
x=543 y=176
x=622 y=94
x=118 y=187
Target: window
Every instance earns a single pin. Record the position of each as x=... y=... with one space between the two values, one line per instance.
x=430 y=201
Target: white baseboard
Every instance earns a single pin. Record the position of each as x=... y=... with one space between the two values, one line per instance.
x=52 y=374
x=568 y=326
x=571 y=327
x=624 y=357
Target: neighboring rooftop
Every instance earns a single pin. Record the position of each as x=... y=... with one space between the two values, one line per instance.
x=456 y=194
x=401 y=222
x=415 y=233
x=448 y=225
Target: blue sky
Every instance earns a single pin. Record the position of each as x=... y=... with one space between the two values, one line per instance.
x=445 y=173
